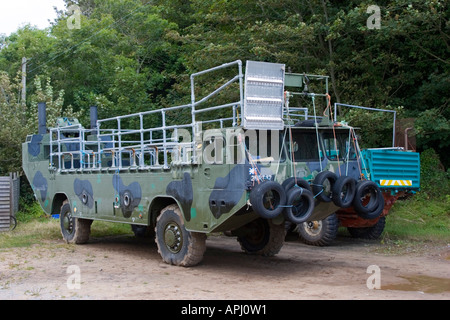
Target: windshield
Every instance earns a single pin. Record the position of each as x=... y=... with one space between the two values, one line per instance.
x=340 y=148
x=303 y=146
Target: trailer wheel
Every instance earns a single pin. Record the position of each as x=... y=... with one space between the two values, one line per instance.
x=268 y=199
x=344 y=191
x=322 y=185
x=373 y=232
x=319 y=233
x=176 y=245
x=262 y=237
x=73 y=230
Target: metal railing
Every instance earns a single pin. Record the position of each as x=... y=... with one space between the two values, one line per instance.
x=111 y=146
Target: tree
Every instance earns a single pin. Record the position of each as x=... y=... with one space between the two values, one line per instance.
x=13 y=129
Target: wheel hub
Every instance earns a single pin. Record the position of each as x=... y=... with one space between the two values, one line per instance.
x=173 y=238
x=68 y=223
x=313 y=227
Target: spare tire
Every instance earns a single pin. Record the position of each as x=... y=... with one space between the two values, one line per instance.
x=299 y=205
x=293 y=181
x=268 y=199
x=368 y=201
x=344 y=191
x=323 y=185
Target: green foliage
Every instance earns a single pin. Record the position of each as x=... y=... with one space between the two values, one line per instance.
x=135 y=55
x=375 y=127
x=13 y=129
x=434 y=181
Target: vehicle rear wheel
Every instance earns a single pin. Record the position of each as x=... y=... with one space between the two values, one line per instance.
x=321 y=232
x=176 y=245
x=262 y=237
x=73 y=230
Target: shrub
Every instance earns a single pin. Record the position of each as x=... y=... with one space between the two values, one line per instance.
x=434 y=180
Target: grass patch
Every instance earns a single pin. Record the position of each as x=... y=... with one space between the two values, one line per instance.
x=416 y=225
x=417 y=221
x=419 y=218
x=36 y=227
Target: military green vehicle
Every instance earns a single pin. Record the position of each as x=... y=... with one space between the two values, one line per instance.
x=243 y=167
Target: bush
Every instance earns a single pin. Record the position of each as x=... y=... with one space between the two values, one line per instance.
x=434 y=180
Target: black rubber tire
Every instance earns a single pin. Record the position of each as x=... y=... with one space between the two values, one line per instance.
x=292 y=181
x=344 y=191
x=322 y=190
x=371 y=233
x=375 y=213
x=262 y=237
x=73 y=230
x=299 y=205
x=268 y=199
x=176 y=245
x=375 y=206
x=319 y=233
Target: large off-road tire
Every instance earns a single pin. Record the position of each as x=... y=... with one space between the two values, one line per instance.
x=176 y=245
x=262 y=237
x=372 y=233
x=73 y=230
x=319 y=233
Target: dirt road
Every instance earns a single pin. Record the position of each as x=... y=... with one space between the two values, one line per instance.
x=128 y=268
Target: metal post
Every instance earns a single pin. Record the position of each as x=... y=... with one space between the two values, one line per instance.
x=241 y=89
x=42 y=118
x=141 y=133
x=93 y=117
x=163 y=113
x=120 y=142
x=194 y=153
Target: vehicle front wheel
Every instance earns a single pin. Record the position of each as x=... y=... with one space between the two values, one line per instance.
x=73 y=230
x=176 y=245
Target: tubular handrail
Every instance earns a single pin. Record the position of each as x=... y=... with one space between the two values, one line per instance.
x=119 y=140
